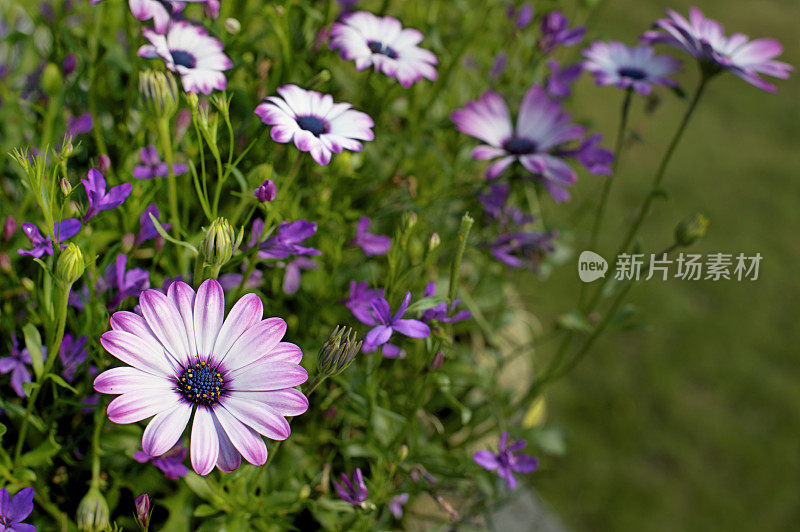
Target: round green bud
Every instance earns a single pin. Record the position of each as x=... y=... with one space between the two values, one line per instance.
x=70 y=264
x=51 y=79
x=219 y=243
x=93 y=512
x=691 y=230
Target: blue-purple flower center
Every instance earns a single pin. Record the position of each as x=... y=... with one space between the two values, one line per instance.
x=201 y=384
x=632 y=73
x=183 y=58
x=314 y=124
x=519 y=146
x=377 y=47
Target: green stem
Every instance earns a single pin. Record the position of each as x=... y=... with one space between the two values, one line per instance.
x=463 y=234
x=166 y=145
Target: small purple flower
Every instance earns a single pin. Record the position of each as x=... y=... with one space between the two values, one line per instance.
x=99 y=199
x=291 y=279
x=266 y=191
x=255 y=233
x=522 y=249
x=556 y=32
x=594 y=158
x=498 y=66
x=286 y=241
x=69 y=64
x=128 y=283
x=507 y=461
x=359 y=301
x=14 y=510
x=152 y=165
x=72 y=353
x=315 y=123
x=41 y=245
x=494 y=203
x=147 y=227
x=384 y=324
x=559 y=84
x=523 y=16
x=170 y=463
x=371 y=244
x=636 y=68
x=539 y=141
x=705 y=40
x=383 y=43
x=440 y=311
x=353 y=492
x=77 y=125
x=190 y=52
x=16 y=363
x=231 y=281
x=396 y=504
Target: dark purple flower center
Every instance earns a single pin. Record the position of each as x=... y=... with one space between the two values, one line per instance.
x=377 y=47
x=201 y=384
x=632 y=73
x=183 y=58
x=519 y=146
x=316 y=125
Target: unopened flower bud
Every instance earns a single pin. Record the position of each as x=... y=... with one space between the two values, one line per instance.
x=410 y=220
x=127 y=242
x=66 y=188
x=70 y=264
x=5 y=263
x=232 y=26
x=266 y=191
x=403 y=453
x=220 y=243
x=143 y=510
x=434 y=241
x=437 y=361
x=51 y=79
x=104 y=163
x=28 y=284
x=691 y=230
x=192 y=100
x=159 y=92
x=338 y=352
x=9 y=227
x=92 y=512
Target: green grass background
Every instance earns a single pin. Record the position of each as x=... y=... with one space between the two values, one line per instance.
x=695 y=423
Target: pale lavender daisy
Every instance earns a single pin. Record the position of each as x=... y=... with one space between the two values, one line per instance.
x=637 y=68
x=705 y=40
x=383 y=43
x=235 y=374
x=314 y=122
x=191 y=52
x=539 y=141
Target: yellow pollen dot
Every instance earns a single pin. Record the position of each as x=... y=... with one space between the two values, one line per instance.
x=188 y=387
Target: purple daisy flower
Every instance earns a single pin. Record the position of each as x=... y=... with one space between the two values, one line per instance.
x=384 y=324
x=507 y=461
x=705 y=40
x=556 y=32
x=353 y=492
x=17 y=364
x=559 y=83
x=286 y=241
x=359 y=301
x=99 y=199
x=440 y=312
x=383 y=43
x=371 y=244
x=235 y=374
x=315 y=123
x=152 y=165
x=147 y=227
x=522 y=249
x=538 y=142
x=72 y=354
x=170 y=463
x=41 y=245
x=191 y=52
x=625 y=67
x=14 y=510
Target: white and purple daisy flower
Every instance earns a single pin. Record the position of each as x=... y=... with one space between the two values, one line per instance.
x=637 y=68
x=191 y=52
x=235 y=374
x=383 y=43
x=314 y=122
x=539 y=140
x=705 y=40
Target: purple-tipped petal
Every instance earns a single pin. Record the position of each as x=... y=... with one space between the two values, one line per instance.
x=165 y=429
x=204 y=442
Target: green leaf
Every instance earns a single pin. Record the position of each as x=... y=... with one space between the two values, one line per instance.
x=205 y=510
x=28 y=387
x=3 y=430
x=42 y=454
x=61 y=382
x=168 y=238
x=426 y=303
x=33 y=341
x=574 y=321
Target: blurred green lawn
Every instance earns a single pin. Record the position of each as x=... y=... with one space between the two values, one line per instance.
x=694 y=424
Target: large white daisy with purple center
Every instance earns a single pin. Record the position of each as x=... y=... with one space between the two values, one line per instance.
x=234 y=374
x=190 y=52
x=637 y=68
x=705 y=39
x=315 y=123
x=382 y=42
x=539 y=141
